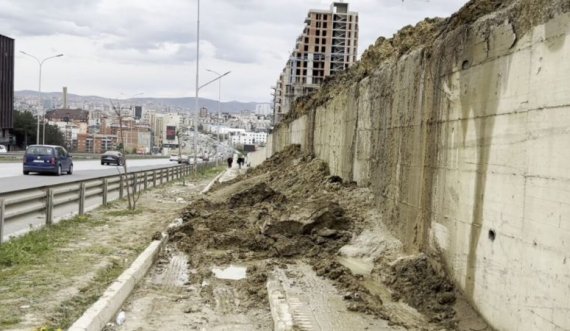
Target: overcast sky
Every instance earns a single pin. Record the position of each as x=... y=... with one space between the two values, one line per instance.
x=118 y=48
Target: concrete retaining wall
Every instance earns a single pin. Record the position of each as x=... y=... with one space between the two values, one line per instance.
x=466 y=146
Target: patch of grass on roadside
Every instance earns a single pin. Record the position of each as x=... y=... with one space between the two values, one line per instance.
x=8 y=321
x=123 y=212
x=69 y=311
x=210 y=172
x=34 y=246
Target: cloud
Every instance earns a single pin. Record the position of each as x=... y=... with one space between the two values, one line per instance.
x=151 y=45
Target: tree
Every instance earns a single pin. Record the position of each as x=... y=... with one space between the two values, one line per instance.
x=133 y=194
x=25 y=125
x=54 y=136
x=24 y=128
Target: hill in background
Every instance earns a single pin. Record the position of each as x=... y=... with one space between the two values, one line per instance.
x=185 y=103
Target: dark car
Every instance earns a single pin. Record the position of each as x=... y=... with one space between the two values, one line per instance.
x=183 y=159
x=112 y=157
x=47 y=159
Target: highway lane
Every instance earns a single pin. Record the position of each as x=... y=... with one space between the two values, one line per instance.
x=11 y=177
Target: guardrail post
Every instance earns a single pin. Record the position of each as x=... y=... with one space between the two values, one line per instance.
x=82 y=198
x=2 y=217
x=105 y=188
x=145 y=180
x=135 y=183
x=49 y=206
x=154 y=178
x=122 y=186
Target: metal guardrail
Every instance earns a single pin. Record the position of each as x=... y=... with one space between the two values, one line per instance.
x=45 y=199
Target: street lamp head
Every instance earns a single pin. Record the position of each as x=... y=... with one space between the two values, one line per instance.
x=59 y=55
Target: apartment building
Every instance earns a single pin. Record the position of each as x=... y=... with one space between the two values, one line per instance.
x=328 y=45
x=251 y=138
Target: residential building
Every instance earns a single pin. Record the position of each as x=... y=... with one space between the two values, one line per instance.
x=96 y=143
x=328 y=45
x=249 y=138
x=6 y=89
x=263 y=109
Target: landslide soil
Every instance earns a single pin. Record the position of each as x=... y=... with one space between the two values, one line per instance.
x=289 y=209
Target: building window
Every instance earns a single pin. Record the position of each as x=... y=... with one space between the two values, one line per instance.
x=306 y=48
x=324 y=25
x=325 y=17
x=316 y=48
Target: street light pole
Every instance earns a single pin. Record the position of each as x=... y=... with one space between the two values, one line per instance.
x=196 y=104
x=40 y=64
x=219 y=107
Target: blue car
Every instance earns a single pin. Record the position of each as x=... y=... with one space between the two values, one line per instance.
x=47 y=159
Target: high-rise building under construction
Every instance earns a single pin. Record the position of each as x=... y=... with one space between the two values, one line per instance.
x=328 y=44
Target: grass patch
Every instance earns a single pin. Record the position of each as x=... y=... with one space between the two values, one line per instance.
x=210 y=172
x=8 y=321
x=123 y=212
x=69 y=311
x=34 y=246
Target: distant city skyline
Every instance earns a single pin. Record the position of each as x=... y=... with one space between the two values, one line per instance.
x=118 y=49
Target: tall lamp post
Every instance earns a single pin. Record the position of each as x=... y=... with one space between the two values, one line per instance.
x=196 y=105
x=219 y=106
x=40 y=64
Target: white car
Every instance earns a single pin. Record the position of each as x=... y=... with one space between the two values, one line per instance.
x=173 y=157
x=3 y=149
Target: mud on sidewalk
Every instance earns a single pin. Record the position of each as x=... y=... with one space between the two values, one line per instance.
x=276 y=219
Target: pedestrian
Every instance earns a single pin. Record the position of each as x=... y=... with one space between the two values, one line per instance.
x=240 y=161
x=230 y=161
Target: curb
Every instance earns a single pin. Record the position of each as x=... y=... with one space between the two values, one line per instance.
x=102 y=311
x=280 y=312
x=209 y=186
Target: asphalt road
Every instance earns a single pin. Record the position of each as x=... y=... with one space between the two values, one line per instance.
x=12 y=178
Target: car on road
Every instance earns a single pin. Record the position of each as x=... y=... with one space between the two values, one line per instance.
x=183 y=159
x=112 y=157
x=3 y=149
x=173 y=157
x=47 y=159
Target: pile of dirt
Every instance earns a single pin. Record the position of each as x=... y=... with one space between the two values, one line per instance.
x=416 y=282
x=261 y=224
x=290 y=209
